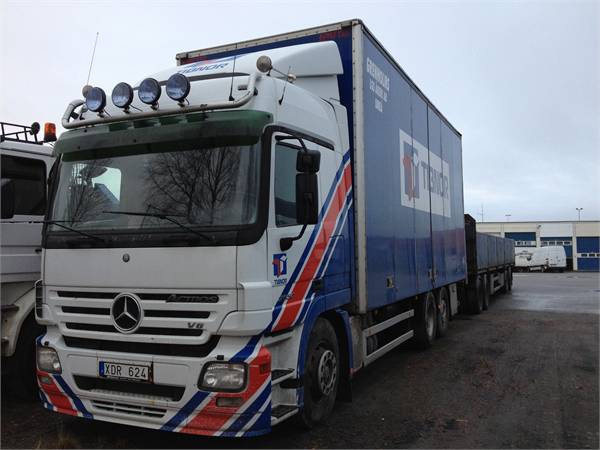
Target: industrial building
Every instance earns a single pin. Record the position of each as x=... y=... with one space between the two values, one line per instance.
x=580 y=239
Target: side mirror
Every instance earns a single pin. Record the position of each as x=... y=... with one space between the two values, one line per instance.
x=8 y=198
x=307 y=198
x=308 y=161
x=307 y=205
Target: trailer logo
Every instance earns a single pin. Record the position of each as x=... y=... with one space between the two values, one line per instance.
x=422 y=171
x=279 y=268
x=410 y=163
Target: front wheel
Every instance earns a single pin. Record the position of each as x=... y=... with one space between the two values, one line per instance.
x=321 y=374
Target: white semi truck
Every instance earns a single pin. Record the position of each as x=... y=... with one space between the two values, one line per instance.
x=25 y=166
x=230 y=240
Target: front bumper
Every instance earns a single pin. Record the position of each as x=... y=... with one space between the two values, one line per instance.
x=194 y=411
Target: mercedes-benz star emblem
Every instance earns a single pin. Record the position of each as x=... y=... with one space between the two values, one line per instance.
x=126 y=313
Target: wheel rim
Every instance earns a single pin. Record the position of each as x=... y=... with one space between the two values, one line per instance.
x=327 y=372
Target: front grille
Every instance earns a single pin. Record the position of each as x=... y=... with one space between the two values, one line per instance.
x=177 y=318
x=145 y=348
x=135 y=388
x=126 y=408
x=141 y=330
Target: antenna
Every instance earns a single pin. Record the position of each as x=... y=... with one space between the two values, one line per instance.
x=232 y=75
x=287 y=80
x=92 y=61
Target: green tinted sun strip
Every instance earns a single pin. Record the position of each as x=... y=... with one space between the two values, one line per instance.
x=186 y=130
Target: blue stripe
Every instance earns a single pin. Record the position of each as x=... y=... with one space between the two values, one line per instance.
x=76 y=401
x=264 y=421
x=248 y=349
x=246 y=416
x=185 y=411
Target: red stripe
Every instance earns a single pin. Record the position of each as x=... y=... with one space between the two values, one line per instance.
x=294 y=303
x=55 y=395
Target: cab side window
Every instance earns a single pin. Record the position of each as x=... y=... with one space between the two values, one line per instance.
x=285 y=185
x=25 y=180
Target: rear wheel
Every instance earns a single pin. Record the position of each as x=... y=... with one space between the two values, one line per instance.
x=321 y=374
x=443 y=311
x=425 y=320
x=510 y=279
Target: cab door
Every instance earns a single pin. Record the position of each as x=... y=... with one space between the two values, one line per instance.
x=290 y=272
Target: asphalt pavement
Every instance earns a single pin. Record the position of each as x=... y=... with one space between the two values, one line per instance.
x=523 y=374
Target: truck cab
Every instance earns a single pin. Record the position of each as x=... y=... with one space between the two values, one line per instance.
x=185 y=236
x=26 y=164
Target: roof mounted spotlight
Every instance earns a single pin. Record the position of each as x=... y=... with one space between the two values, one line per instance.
x=122 y=96
x=264 y=64
x=95 y=100
x=178 y=88
x=149 y=92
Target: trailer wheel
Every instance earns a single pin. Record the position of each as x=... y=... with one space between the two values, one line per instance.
x=425 y=320
x=443 y=312
x=321 y=374
x=485 y=302
x=509 y=279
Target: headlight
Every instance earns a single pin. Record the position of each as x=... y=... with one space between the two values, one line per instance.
x=47 y=360
x=223 y=377
x=178 y=87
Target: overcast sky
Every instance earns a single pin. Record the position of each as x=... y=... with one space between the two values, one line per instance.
x=520 y=80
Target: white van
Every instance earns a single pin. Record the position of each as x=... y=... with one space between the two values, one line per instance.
x=550 y=258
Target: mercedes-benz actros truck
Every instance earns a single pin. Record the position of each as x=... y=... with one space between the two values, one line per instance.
x=230 y=240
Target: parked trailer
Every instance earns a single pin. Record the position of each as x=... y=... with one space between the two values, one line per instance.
x=25 y=164
x=290 y=211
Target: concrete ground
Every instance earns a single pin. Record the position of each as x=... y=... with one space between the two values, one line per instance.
x=522 y=375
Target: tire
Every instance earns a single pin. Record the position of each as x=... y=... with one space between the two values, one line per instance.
x=510 y=279
x=321 y=376
x=485 y=301
x=504 y=287
x=23 y=367
x=426 y=320
x=443 y=312
x=476 y=297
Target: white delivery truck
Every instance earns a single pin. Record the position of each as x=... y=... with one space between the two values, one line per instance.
x=548 y=258
x=25 y=165
x=230 y=240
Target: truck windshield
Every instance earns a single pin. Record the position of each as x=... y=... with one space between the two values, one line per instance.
x=197 y=185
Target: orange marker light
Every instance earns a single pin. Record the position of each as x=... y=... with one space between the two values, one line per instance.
x=49 y=132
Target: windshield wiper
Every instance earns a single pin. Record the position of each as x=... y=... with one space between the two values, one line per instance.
x=59 y=224
x=163 y=217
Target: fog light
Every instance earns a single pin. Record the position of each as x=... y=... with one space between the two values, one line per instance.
x=223 y=377
x=47 y=360
x=229 y=402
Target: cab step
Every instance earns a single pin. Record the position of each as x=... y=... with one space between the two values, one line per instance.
x=279 y=375
x=282 y=412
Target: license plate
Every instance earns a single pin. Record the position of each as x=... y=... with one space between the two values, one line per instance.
x=135 y=372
